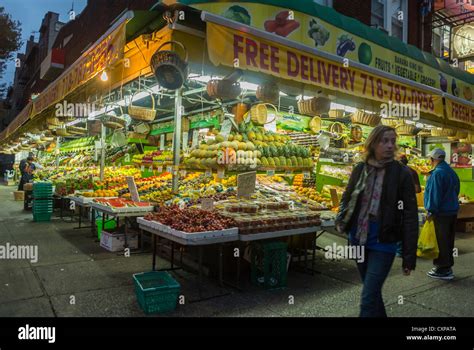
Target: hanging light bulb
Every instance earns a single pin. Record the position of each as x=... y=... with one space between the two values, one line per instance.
x=104 y=76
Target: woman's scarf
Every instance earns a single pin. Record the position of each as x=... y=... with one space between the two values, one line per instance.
x=370 y=185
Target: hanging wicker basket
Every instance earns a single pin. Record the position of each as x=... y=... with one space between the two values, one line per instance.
x=315 y=124
x=407 y=130
x=169 y=68
x=336 y=128
x=314 y=106
x=112 y=121
x=223 y=89
x=356 y=133
x=364 y=118
x=259 y=113
x=468 y=139
x=75 y=130
x=62 y=132
x=142 y=113
x=268 y=92
x=336 y=113
x=392 y=122
x=443 y=132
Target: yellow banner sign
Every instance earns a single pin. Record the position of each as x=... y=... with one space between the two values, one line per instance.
x=257 y=54
x=91 y=63
x=460 y=112
x=317 y=33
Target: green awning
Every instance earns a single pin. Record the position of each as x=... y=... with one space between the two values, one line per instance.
x=355 y=27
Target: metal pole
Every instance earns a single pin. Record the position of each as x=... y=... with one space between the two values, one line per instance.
x=177 y=137
x=102 y=151
x=57 y=152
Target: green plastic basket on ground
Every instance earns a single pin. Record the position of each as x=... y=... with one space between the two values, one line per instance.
x=43 y=217
x=269 y=264
x=109 y=225
x=156 y=291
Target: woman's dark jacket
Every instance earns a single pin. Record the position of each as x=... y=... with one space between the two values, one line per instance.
x=398 y=209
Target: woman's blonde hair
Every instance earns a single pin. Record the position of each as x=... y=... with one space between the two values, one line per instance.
x=374 y=138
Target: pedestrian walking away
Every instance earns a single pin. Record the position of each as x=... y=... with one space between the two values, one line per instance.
x=442 y=205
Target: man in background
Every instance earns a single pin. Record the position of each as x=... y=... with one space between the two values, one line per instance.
x=27 y=168
x=416 y=180
x=442 y=204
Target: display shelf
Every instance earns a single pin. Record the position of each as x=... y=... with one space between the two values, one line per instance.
x=276 y=234
x=155 y=225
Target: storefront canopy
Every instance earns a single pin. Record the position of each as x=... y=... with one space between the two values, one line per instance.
x=378 y=44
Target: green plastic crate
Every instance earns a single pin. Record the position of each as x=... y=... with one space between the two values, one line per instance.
x=156 y=291
x=269 y=264
x=41 y=217
x=109 y=225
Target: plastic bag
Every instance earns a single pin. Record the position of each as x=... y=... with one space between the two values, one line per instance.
x=427 y=242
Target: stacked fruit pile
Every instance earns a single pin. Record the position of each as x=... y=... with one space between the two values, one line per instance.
x=99 y=193
x=121 y=203
x=191 y=219
x=314 y=198
x=342 y=173
x=164 y=159
x=250 y=147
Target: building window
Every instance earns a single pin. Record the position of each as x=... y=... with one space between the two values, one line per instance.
x=377 y=13
x=391 y=16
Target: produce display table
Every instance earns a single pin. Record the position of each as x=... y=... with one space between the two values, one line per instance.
x=84 y=203
x=122 y=213
x=220 y=240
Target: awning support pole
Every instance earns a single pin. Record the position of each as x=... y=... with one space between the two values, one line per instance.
x=177 y=137
x=102 y=151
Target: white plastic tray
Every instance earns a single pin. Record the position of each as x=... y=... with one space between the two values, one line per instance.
x=188 y=235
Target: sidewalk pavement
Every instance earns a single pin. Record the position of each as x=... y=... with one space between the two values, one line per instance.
x=74 y=276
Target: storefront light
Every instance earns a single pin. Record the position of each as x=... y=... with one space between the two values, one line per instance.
x=104 y=76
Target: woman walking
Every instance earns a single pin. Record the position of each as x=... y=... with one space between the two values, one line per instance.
x=377 y=210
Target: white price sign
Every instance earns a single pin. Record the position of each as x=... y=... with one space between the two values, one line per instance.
x=185 y=140
x=208 y=172
x=220 y=173
x=226 y=128
x=271 y=172
x=162 y=142
x=160 y=169
x=195 y=138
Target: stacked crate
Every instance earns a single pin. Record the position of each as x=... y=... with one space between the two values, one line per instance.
x=42 y=201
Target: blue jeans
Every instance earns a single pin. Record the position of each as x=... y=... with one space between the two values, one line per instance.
x=373 y=271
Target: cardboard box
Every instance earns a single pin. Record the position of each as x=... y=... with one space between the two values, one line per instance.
x=28 y=187
x=466 y=211
x=465 y=226
x=114 y=242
